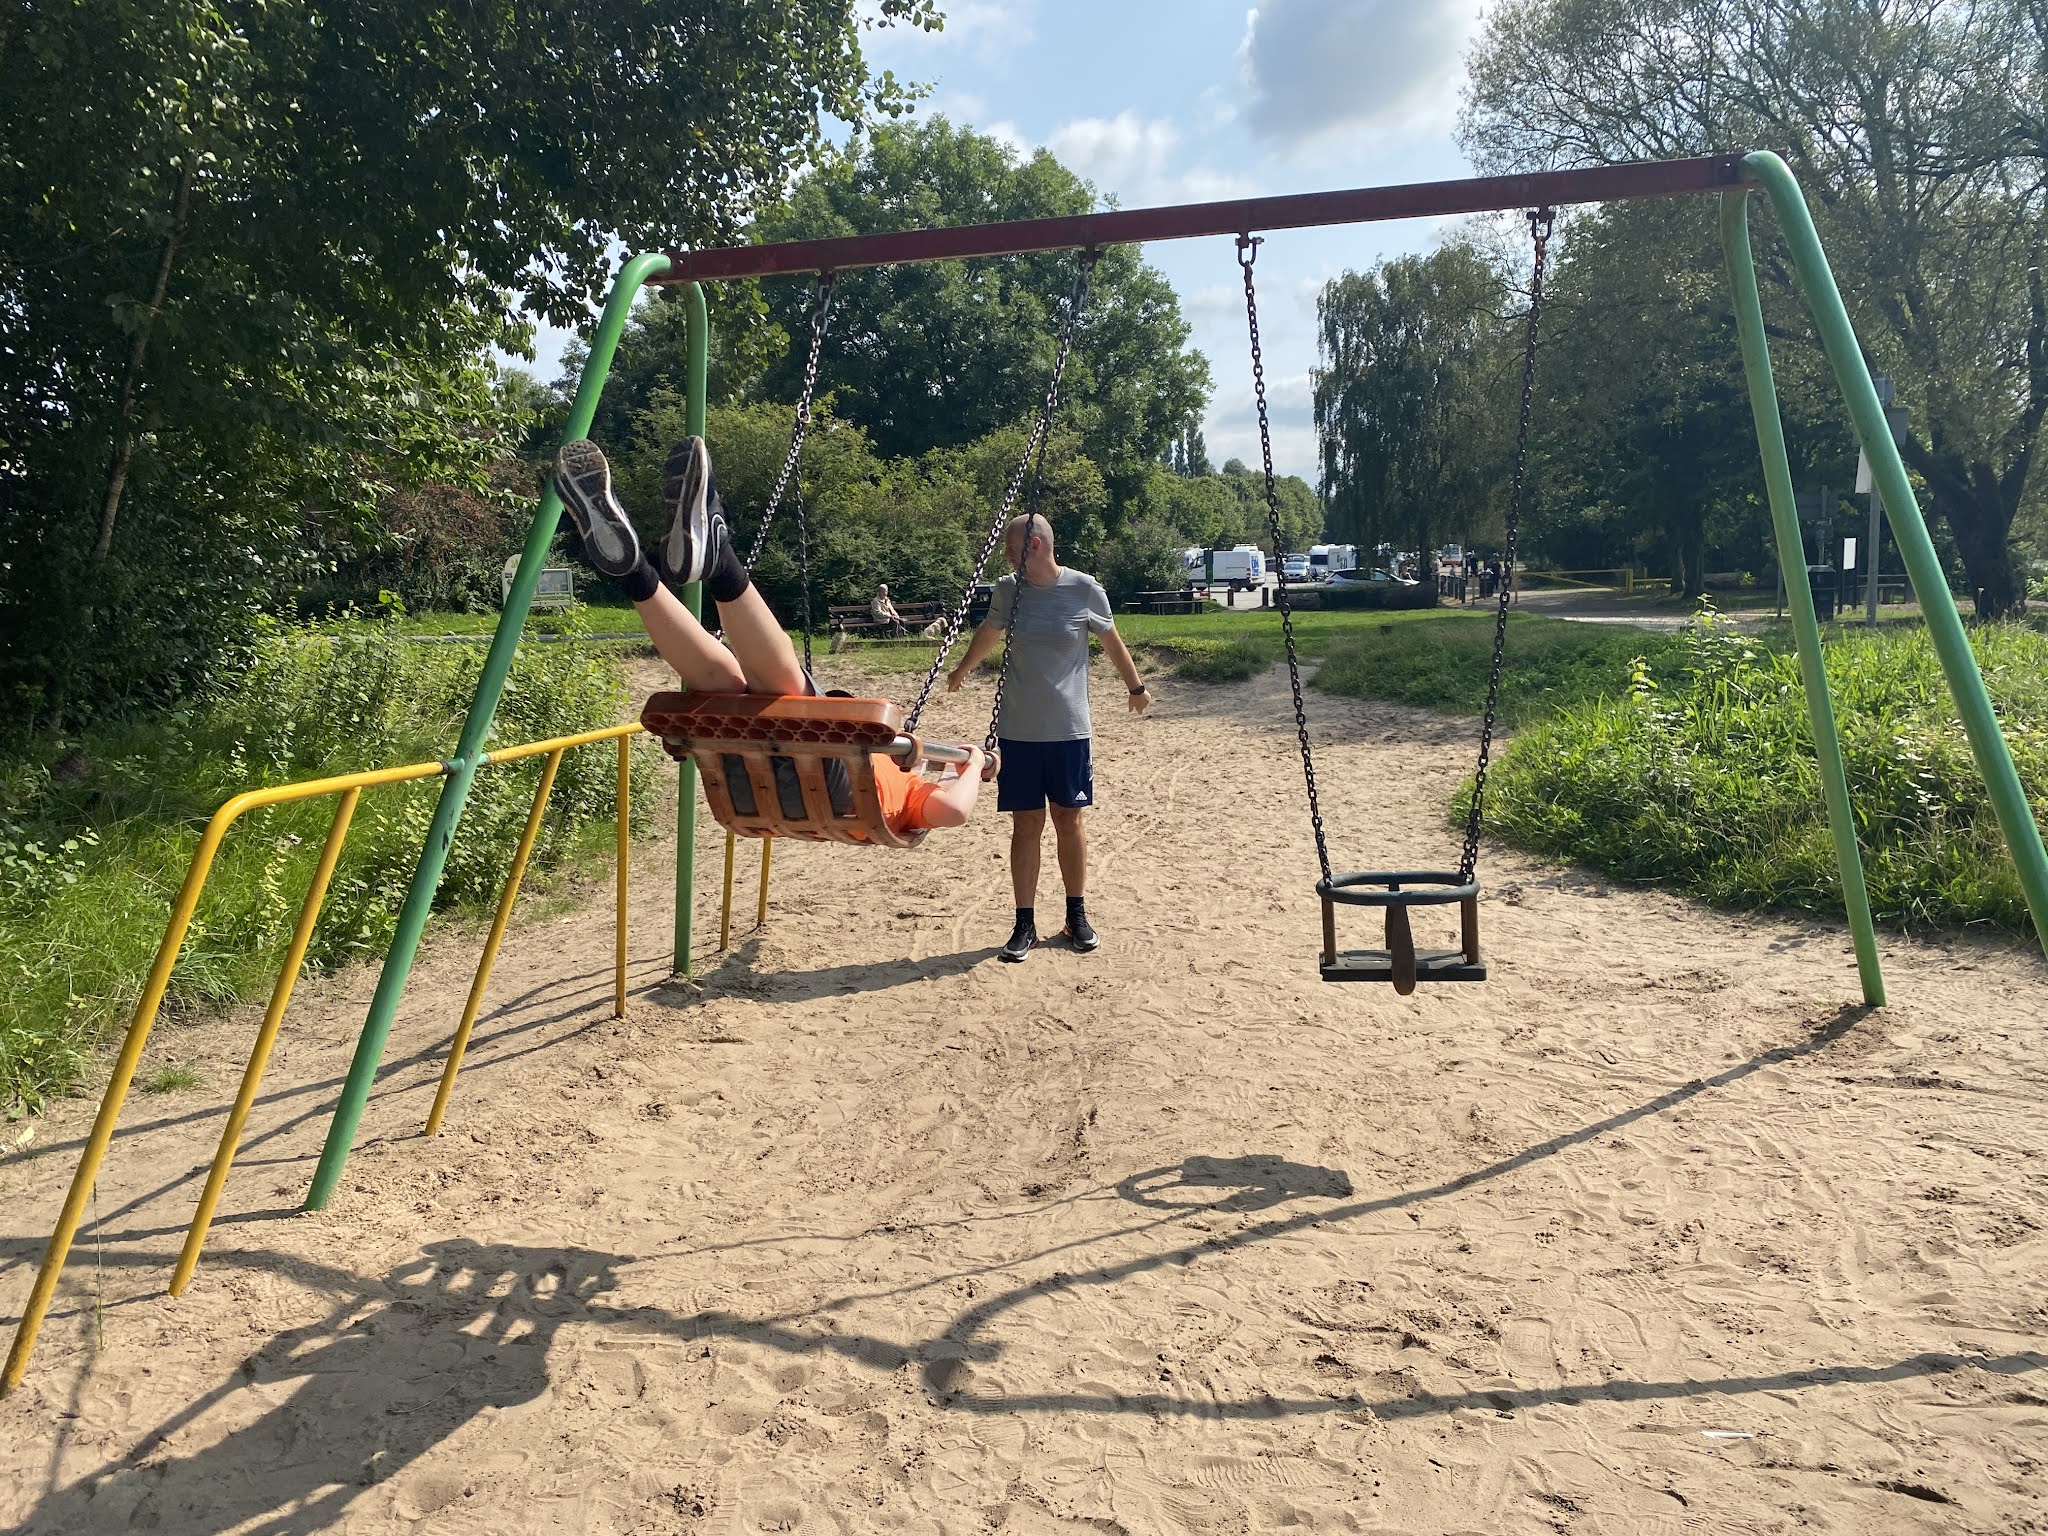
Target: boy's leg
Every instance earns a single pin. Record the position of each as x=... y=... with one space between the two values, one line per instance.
x=700 y=548
x=700 y=661
x=760 y=646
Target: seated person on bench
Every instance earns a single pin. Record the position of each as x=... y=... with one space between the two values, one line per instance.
x=884 y=612
x=756 y=655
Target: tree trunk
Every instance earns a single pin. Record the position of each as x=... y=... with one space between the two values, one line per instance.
x=124 y=439
x=1981 y=539
x=1978 y=504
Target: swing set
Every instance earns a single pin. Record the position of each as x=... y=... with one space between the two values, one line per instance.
x=734 y=744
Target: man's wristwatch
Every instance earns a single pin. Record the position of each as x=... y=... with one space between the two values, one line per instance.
x=1137 y=690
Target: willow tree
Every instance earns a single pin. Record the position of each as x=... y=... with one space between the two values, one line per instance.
x=1403 y=415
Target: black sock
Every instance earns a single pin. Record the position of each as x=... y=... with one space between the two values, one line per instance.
x=641 y=582
x=1027 y=917
x=1076 y=908
x=727 y=578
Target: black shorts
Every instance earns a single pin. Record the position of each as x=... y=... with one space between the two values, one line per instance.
x=1035 y=772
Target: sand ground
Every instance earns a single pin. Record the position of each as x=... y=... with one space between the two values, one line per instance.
x=1659 y=1230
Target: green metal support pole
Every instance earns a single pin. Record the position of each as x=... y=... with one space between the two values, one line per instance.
x=699 y=361
x=1820 y=708
x=1944 y=627
x=419 y=897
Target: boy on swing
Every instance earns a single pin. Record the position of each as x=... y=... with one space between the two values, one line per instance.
x=756 y=655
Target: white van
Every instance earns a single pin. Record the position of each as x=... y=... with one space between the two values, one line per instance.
x=1241 y=569
x=1326 y=560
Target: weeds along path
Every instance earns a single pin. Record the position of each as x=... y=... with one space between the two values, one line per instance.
x=862 y=1230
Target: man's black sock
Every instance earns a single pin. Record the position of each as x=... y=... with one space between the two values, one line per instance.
x=1077 y=907
x=641 y=582
x=1027 y=917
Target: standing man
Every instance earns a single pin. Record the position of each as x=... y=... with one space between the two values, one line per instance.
x=1043 y=728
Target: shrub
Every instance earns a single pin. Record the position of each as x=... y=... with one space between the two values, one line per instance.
x=1709 y=783
x=1145 y=557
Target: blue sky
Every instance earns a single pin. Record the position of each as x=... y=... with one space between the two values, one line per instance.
x=1203 y=99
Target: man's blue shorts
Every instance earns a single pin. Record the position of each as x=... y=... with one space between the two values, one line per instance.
x=1034 y=772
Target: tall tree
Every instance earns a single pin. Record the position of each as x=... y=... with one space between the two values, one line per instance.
x=941 y=354
x=1917 y=130
x=252 y=252
x=1401 y=398
x=1644 y=436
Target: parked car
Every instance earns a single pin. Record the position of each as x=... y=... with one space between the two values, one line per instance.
x=1360 y=578
x=1294 y=568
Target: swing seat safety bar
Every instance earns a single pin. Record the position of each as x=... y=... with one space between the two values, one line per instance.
x=1400 y=962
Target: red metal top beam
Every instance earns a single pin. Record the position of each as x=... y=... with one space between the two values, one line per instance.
x=1599 y=184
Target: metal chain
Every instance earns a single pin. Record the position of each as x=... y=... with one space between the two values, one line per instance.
x=1040 y=430
x=803 y=565
x=1541 y=223
x=821 y=309
x=1247 y=254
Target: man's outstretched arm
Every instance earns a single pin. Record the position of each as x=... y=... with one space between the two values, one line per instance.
x=987 y=636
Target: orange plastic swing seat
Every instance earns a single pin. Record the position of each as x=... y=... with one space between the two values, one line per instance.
x=766 y=762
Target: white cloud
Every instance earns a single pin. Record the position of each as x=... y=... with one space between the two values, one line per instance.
x=955 y=106
x=1121 y=154
x=1132 y=158
x=985 y=29
x=1010 y=136
x=1387 y=67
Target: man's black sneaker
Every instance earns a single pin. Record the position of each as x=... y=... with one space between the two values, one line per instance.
x=584 y=481
x=696 y=517
x=1021 y=940
x=1080 y=935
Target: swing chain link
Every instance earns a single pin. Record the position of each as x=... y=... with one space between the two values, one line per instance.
x=1542 y=221
x=1247 y=254
x=803 y=565
x=821 y=309
x=1041 y=430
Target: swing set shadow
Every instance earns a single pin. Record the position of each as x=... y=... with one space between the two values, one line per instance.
x=1731 y=178
x=495 y=1295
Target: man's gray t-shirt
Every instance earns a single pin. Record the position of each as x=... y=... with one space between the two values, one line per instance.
x=1046 y=695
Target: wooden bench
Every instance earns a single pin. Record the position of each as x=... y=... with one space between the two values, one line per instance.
x=1175 y=600
x=857 y=621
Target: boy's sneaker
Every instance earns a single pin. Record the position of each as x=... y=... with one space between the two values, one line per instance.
x=1021 y=939
x=1080 y=935
x=697 y=531
x=584 y=481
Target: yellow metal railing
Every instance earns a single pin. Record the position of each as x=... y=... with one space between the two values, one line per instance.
x=725 y=906
x=348 y=788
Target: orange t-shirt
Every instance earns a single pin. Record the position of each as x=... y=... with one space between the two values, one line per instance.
x=902 y=794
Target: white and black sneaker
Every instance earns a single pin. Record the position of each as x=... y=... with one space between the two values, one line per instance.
x=697 y=534
x=584 y=481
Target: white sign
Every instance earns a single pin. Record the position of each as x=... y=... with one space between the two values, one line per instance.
x=1848 y=554
x=1864 y=484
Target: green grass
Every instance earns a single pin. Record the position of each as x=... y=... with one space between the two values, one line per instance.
x=97 y=833
x=171 y=1077
x=1442 y=662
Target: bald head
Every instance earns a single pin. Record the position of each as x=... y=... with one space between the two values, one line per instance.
x=1026 y=534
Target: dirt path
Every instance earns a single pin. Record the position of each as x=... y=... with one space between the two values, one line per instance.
x=1656 y=1231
